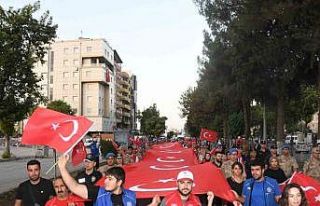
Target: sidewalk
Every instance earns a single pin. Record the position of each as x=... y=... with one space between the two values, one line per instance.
x=23 y=153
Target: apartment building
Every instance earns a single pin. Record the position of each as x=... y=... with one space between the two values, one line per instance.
x=82 y=73
x=133 y=83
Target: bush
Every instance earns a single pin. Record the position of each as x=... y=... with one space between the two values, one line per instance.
x=6 y=155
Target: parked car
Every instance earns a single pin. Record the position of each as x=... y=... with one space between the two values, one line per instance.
x=302 y=147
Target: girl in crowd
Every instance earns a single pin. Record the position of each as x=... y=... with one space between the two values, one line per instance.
x=237 y=179
x=274 y=171
x=293 y=195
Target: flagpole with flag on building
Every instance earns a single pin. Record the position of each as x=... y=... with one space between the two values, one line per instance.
x=59 y=131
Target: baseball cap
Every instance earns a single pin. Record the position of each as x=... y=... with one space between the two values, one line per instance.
x=110 y=154
x=285 y=146
x=232 y=150
x=185 y=175
x=90 y=157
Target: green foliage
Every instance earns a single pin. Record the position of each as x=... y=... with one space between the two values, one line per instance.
x=152 y=123
x=60 y=106
x=260 y=51
x=236 y=124
x=5 y=155
x=171 y=134
x=23 y=42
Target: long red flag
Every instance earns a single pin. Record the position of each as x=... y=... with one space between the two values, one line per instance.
x=54 y=129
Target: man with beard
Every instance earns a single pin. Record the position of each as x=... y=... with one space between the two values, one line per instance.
x=112 y=194
x=260 y=190
x=184 y=195
x=36 y=191
x=218 y=159
x=63 y=197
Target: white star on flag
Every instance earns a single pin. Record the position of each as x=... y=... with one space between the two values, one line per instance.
x=55 y=126
x=317 y=198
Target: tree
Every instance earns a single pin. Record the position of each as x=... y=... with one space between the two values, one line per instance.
x=151 y=122
x=60 y=106
x=23 y=42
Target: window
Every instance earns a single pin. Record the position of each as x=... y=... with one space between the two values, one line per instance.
x=75 y=98
x=89 y=48
x=65 y=86
x=51 y=61
x=75 y=50
x=88 y=73
x=65 y=50
x=51 y=94
x=110 y=79
x=65 y=62
x=75 y=62
x=75 y=74
x=65 y=98
x=111 y=90
x=75 y=86
x=89 y=98
x=51 y=79
x=65 y=74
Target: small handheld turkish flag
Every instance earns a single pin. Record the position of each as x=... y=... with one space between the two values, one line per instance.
x=54 y=129
x=79 y=153
x=209 y=135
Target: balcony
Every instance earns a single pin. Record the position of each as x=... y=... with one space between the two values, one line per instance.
x=94 y=74
x=125 y=90
x=127 y=107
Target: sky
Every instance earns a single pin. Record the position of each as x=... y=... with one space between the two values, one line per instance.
x=158 y=41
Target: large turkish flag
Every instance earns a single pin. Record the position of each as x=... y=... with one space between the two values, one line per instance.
x=157 y=172
x=54 y=129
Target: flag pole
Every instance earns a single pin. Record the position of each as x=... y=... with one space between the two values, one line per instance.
x=55 y=165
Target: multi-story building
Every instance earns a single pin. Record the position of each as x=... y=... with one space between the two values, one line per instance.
x=133 y=120
x=82 y=73
x=123 y=100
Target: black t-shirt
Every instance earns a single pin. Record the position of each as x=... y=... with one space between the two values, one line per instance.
x=235 y=186
x=84 y=178
x=278 y=174
x=39 y=193
x=117 y=200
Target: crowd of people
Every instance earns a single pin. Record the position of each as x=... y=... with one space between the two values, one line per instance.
x=253 y=173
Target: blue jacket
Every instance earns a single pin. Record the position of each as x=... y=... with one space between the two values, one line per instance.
x=104 y=198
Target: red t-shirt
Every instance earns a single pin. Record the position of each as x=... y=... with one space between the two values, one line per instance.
x=175 y=199
x=72 y=200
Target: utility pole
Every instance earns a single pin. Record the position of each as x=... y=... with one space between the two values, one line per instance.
x=264 y=122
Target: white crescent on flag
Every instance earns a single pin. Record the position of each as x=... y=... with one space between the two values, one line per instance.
x=75 y=127
x=159 y=159
x=205 y=134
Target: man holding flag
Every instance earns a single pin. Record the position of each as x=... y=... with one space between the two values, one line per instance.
x=112 y=193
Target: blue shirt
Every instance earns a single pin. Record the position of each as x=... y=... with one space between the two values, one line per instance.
x=263 y=192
